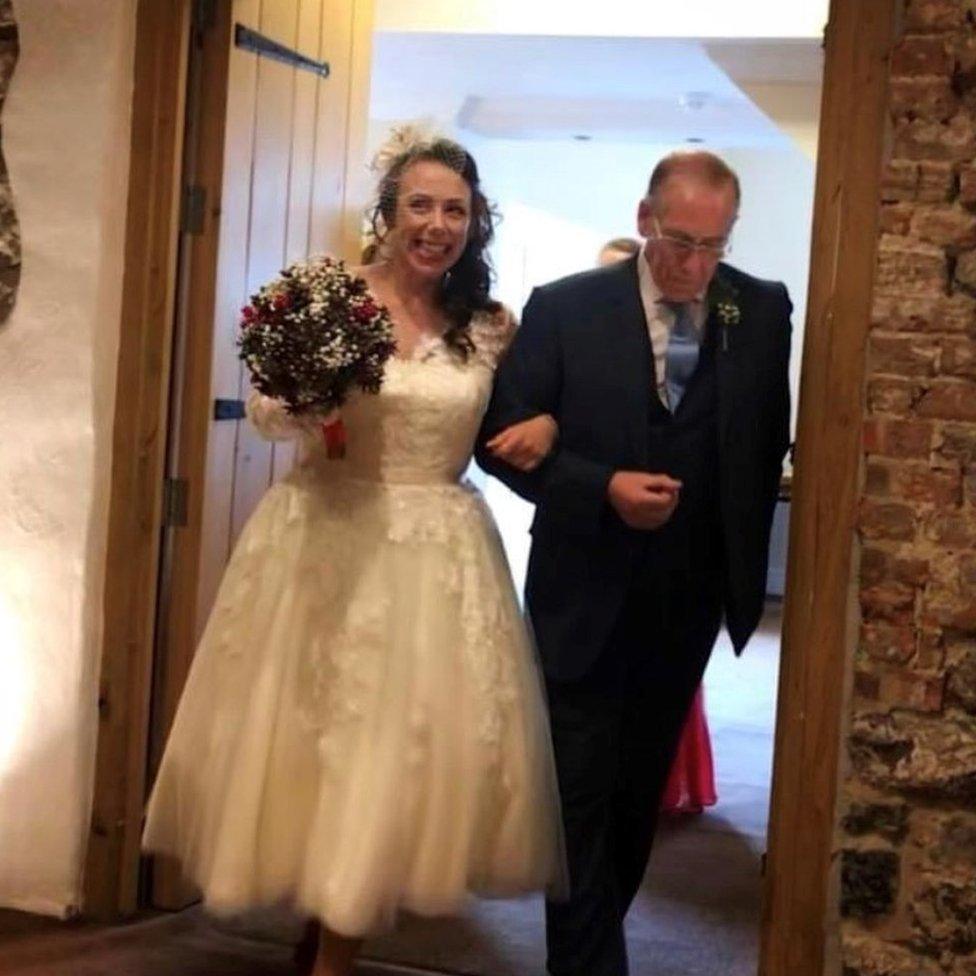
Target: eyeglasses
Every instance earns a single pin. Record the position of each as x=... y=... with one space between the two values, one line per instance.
x=684 y=247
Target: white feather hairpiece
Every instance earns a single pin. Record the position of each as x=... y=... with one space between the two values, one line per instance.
x=403 y=140
x=411 y=139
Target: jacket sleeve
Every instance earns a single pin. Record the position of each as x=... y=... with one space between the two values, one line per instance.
x=780 y=434
x=569 y=489
x=778 y=431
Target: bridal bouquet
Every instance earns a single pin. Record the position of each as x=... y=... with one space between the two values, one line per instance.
x=311 y=336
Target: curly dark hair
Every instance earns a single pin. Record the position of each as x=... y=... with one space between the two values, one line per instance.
x=466 y=286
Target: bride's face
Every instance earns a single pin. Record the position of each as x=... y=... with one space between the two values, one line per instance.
x=433 y=218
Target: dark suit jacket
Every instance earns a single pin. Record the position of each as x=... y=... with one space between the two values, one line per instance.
x=583 y=354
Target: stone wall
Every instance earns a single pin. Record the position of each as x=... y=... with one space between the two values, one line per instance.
x=908 y=831
x=9 y=228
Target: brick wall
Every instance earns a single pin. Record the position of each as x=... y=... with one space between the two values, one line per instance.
x=908 y=831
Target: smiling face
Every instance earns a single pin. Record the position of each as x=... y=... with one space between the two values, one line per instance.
x=686 y=226
x=432 y=219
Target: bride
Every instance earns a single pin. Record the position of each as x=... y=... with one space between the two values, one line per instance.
x=363 y=728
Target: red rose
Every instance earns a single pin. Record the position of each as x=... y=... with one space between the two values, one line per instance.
x=365 y=312
x=281 y=302
x=248 y=313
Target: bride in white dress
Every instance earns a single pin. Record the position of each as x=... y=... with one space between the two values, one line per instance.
x=363 y=728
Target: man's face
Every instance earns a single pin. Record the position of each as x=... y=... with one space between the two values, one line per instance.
x=686 y=228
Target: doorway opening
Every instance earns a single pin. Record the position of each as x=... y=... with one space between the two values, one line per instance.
x=799 y=881
x=565 y=131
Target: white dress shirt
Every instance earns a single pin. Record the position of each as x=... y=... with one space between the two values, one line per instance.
x=660 y=320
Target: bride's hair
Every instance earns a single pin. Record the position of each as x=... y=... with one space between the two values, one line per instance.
x=466 y=286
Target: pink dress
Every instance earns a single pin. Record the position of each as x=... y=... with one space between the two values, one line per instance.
x=691 y=784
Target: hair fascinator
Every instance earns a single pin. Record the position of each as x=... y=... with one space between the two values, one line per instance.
x=415 y=139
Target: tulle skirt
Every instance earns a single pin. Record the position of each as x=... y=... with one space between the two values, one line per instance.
x=363 y=728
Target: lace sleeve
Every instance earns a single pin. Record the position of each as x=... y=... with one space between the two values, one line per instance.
x=272 y=421
x=492 y=334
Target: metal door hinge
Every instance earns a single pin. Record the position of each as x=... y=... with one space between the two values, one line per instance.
x=251 y=40
x=194 y=209
x=175 y=497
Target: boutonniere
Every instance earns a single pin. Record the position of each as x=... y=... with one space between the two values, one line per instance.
x=723 y=302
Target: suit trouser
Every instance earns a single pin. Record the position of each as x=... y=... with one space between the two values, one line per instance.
x=615 y=733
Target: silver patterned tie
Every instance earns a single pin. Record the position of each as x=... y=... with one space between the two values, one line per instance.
x=681 y=357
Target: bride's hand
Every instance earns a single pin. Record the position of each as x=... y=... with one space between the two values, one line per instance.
x=525 y=445
x=313 y=421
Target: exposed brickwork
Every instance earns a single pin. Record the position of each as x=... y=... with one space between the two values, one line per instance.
x=899 y=438
x=967 y=186
x=908 y=834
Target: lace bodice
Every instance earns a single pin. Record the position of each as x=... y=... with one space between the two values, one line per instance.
x=420 y=428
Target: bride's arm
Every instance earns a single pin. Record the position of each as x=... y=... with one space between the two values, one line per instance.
x=526 y=444
x=529 y=437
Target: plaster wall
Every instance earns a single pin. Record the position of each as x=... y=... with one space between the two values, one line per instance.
x=66 y=142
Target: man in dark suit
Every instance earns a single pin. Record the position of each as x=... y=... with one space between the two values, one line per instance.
x=667 y=377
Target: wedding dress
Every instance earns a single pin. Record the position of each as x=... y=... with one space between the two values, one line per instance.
x=363 y=727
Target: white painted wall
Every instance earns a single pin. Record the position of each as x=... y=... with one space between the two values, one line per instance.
x=794 y=108
x=66 y=142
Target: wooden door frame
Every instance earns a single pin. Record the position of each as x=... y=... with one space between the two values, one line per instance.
x=190 y=400
x=138 y=450
x=801 y=882
x=818 y=598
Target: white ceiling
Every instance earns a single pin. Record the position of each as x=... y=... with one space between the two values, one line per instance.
x=619 y=18
x=782 y=62
x=596 y=88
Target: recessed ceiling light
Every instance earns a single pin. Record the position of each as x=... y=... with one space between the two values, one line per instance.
x=693 y=101
x=695 y=139
x=582 y=137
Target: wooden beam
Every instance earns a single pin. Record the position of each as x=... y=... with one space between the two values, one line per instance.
x=192 y=407
x=358 y=182
x=138 y=449
x=797 y=911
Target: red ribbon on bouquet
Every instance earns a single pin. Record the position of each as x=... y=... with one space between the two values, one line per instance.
x=334 y=435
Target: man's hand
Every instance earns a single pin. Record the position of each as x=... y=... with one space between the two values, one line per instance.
x=643 y=501
x=525 y=445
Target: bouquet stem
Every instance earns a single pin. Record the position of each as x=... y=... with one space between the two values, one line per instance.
x=334 y=434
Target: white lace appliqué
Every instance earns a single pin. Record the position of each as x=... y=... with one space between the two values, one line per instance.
x=390 y=523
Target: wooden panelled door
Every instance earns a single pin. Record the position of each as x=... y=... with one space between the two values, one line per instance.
x=271 y=137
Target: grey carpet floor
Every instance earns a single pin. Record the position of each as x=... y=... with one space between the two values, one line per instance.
x=183 y=944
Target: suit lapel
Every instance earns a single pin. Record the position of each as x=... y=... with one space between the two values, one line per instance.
x=634 y=355
x=724 y=364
